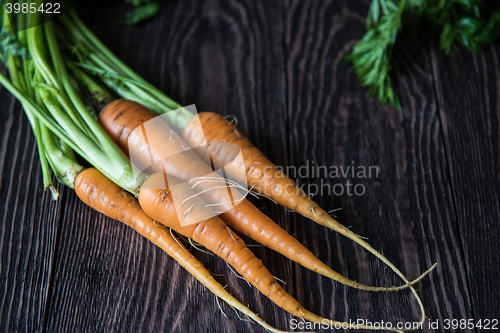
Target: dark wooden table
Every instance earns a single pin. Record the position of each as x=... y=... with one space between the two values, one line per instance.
x=278 y=66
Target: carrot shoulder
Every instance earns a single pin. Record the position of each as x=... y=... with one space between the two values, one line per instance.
x=155 y=143
x=98 y=192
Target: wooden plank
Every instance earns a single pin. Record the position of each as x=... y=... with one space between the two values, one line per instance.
x=407 y=212
x=280 y=70
x=468 y=87
x=227 y=57
x=29 y=223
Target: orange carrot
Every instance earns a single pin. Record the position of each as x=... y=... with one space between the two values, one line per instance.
x=124 y=121
x=261 y=173
x=157 y=200
x=98 y=192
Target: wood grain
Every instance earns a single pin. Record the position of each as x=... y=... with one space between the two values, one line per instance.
x=468 y=88
x=404 y=212
x=278 y=67
x=29 y=225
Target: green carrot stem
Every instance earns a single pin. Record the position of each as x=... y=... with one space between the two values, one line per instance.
x=61 y=159
x=138 y=92
x=41 y=145
x=83 y=35
x=133 y=86
x=95 y=90
x=19 y=80
x=116 y=156
x=37 y=50
x=46 y=118
x=77 y=23
x=118 y=170
x=62 y=101
x=163 y=106
x=68 y=92
x=58 y=106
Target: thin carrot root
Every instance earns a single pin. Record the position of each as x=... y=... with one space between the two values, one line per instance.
x=266 y=178
x=103 y=195
x=216 y=236
x=154 y=143
x=261 y=173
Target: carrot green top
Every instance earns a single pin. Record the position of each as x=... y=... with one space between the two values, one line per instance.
x=39 y=79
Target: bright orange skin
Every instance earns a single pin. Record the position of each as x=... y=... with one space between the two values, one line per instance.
x=170 y=155
x=98 y=192
x=156 y=200
x=256 y=225
x=262 y=174
x=101 y=194
x=127 y=116
x=116 y=118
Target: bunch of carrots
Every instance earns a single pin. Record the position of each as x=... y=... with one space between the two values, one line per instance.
x=80 y=98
